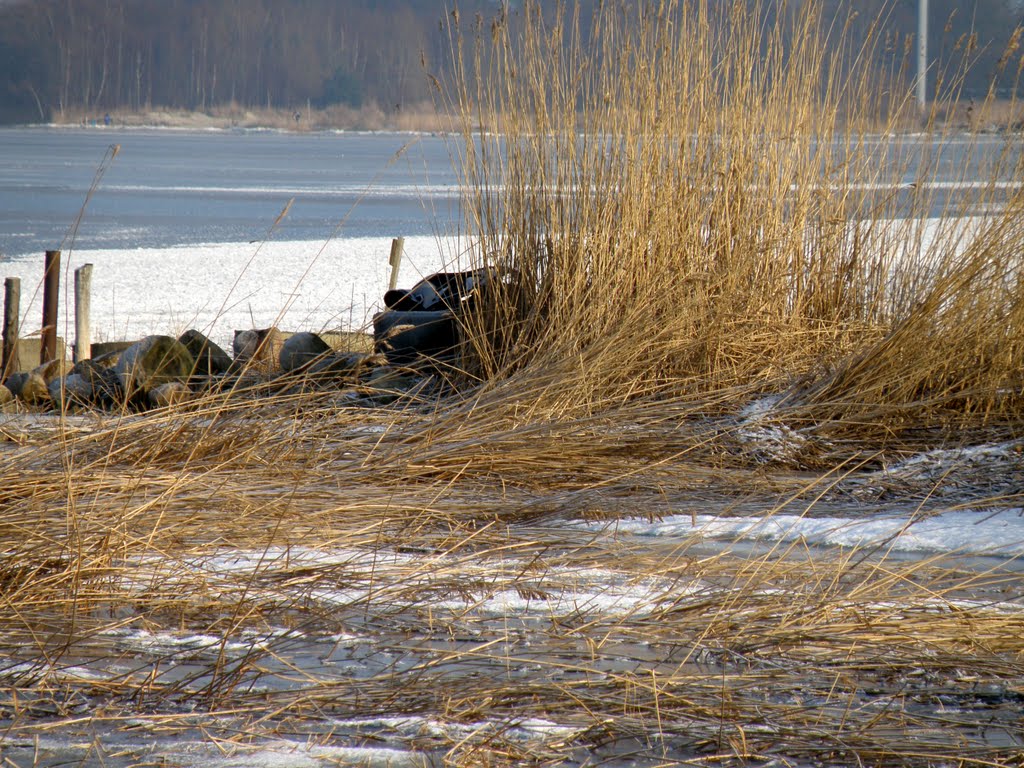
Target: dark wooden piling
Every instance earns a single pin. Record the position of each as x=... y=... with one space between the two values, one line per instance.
x=12 y=300
x=51 y=299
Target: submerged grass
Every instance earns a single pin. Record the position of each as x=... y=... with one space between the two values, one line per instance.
x=701 y=242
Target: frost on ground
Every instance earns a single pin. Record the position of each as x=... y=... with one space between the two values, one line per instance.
x=377 y=657
x=764 y=436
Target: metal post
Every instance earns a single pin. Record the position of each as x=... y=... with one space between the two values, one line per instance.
x=397 y=246
x=51 y=298
x=83 y=331
x=922 y=54
x=12 y=298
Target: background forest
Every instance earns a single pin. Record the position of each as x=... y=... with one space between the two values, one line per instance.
x=65 y=58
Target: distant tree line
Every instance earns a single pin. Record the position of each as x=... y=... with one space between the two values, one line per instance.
x=97 y=55
x=101 y=55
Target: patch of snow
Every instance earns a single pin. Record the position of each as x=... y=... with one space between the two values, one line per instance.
x=218 y=288
x=385 y=576
x=529 y=730
x=287 y=754
x=768 y=440
x=168 y=641
x=935 y=464
x=51 y=673
x=965 y=531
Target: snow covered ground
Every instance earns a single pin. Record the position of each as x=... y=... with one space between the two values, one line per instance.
x=218 y=288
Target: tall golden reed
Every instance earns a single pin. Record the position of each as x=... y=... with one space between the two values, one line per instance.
x=694 y=195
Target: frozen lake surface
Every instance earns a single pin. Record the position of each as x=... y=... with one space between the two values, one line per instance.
x=185 y=230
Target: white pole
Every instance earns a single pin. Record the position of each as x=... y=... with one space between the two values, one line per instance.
x=83 y=299
x=922 y=54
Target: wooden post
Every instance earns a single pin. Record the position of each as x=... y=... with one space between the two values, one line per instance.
x=83 y=331
x=12 y=298
x=51 y=299
x=397 y=245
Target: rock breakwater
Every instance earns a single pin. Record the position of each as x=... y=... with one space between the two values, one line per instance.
x=160 y=371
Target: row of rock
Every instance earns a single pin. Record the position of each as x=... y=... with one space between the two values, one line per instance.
x=161 y=370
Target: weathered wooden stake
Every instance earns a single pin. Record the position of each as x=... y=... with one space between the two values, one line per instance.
x=12 y=299
x=83 y=331
x=51 y=298
x=397 y=245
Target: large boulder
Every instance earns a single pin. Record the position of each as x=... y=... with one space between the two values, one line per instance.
x=210 y=359
x=258 y=350
x=301 y=350
x=405 y=337
x=34 y=390
x=153 y=361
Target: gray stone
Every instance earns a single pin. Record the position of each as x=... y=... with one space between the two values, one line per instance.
x=73 y=389
x=169 y=394
x=210 y=359
x=153 y=361
x=244 y=344
x=15 y=382
x=302 y=350
x=259 y=350
x=407 y=337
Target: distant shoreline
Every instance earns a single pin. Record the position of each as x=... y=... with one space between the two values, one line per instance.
x=422 y=118
x=998 y=118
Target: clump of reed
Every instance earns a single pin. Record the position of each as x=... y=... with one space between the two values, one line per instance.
x=694 y=196
x=432 y=574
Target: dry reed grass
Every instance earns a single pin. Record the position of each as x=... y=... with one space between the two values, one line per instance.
x=419 y=561
x=426 y=575
x=691 y=202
